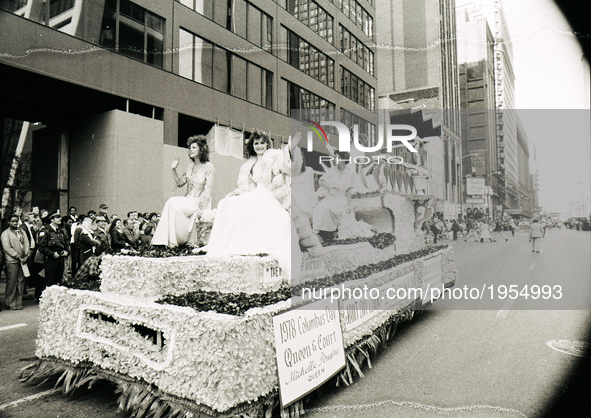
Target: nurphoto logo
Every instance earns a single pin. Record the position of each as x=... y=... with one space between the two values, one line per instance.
x=388 y=133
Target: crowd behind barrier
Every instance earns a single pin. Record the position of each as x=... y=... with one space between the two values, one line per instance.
x=42 y=248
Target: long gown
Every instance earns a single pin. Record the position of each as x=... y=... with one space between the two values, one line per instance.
x=330 y=210
x=177 y=224
x=252 y=223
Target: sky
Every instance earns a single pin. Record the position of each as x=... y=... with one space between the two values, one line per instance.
x=551 y=73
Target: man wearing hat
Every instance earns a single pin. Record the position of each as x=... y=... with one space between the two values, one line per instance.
x=103 y=211
x=53 y=244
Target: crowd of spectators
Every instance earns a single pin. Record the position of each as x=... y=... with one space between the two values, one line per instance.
x=42 y=248
x=481 y=229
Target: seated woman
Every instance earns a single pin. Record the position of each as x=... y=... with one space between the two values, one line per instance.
x=115 y=231
x=177 y=225
x=251 y=220
x=338 y=182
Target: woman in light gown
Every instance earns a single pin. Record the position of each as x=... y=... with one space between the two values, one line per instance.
x=338 y=182
x=178 y=222
x=251 y=220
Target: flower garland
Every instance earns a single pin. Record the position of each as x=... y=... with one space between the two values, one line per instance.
x=381 y=240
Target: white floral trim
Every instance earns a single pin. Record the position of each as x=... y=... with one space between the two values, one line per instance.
x=152 y=278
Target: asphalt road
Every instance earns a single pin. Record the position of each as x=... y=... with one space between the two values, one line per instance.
x=466 y=358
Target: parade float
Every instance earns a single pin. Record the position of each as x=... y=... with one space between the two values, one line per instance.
x=231 y=336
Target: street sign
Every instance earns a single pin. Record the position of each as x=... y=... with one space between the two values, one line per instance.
x=474 y=201
x=475 y=185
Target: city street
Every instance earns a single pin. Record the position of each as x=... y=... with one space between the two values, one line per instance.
x=447 y=361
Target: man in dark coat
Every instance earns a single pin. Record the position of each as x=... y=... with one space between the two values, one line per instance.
x=53 y=244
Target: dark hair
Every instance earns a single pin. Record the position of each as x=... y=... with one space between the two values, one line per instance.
x=254 y=136
x=73 y=207
x=91 y=212
x=80 y=218
x=13 y=216
x=152 y=215
x=129 y=213
x=65 y=219
x=126 y=222
x=112 y=225
x=203 y=147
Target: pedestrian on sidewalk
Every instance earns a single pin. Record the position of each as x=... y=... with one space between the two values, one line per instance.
x=535 y=233
x=455 y=227
x=16 y=251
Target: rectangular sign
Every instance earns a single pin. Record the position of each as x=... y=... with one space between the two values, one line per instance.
x=471 y=200
x=431 y=276
x=309 y=348
x=271 y=274
x=395 y=294
x=314 y=267
x=475 y=185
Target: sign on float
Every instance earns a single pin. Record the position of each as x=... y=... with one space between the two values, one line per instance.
x=309 y=348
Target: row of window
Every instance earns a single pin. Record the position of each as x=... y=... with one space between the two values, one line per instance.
x=209 y=64
x=357 y=90
x=312 y=15
x=357 y=14
x=132 y=31
x=356 y=50
x=310 y=105
x=305 y=57
x=238 y=16
x=57 y=7
x=365 y=127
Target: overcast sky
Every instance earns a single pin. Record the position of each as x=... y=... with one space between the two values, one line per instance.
x=551 y=74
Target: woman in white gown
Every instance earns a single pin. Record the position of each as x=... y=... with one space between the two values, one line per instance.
x=178 y=222
x=338 y=181
x=251 y=220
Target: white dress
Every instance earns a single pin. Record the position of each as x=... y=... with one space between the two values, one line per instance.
x=329 y=211
x=177 y=224
x=252 y=223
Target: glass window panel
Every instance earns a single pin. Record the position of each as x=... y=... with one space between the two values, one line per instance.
x=282 y=44
x=255 y=87
x=354 y=82
x=353 y=11
x=127 y=8
x=322 y=23
x=353 y=54
x=220 y=12
x=359 y=21
x=108 y=38
x=268 y=89
x=370 y=26
x=303 y=11
x=220 y=69
x=131 y=41
x=203 y=62
x=294 y=49
x=254 y=25
x=154 y=50
x=313 y=16
x=346 y=7
x=238 y=82
x=371 y=62
x=372 y=97
x=57 y=7
x=294 y=97
x=304 y=56
x=329 y=28
x=238 y=18
x=268 y=43
x=347 y=84
x=186 y=54
x=330 y=73
x=205 y=7
x=292 y=7
x=156 y=22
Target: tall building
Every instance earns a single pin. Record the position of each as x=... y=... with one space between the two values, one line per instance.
x=104 y=93
x=505 y=155
x=418 y=71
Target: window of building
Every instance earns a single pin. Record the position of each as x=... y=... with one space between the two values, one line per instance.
x=307 y=58
x=357 y=90
x=311 y=106
x=132 y=31
x=238 y=16
x=57 y=7
x=214 y=66
x=356 y=50
x=312 y=15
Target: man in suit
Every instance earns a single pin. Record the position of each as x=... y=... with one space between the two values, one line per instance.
x=73 y=214
x=29 y=228
x=101 y=234
x=53 y=244
x=16 y=251
x=536 y=232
